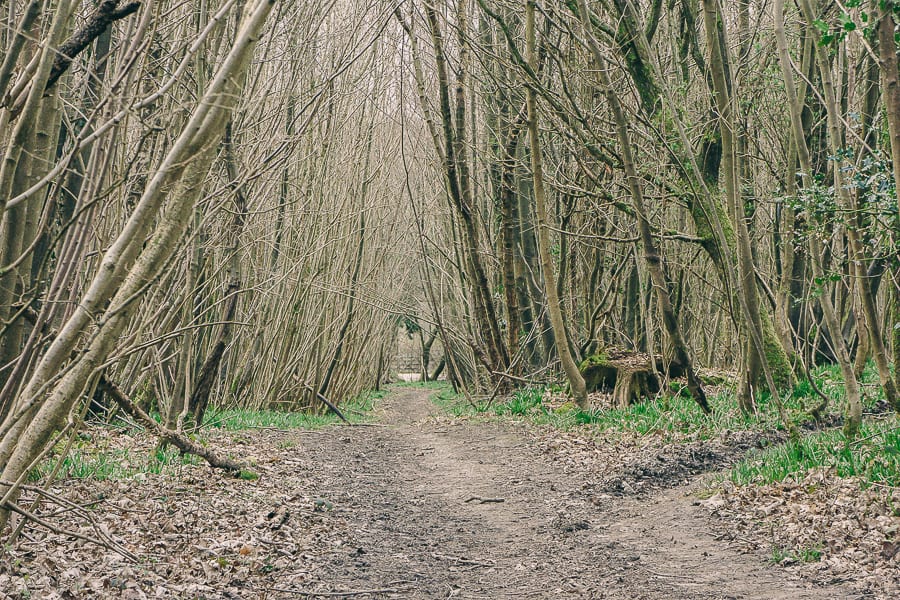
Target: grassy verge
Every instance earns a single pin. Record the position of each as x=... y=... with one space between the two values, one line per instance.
x=101 y=457
x=357 y=410
x=874 y=456
x=675 y=417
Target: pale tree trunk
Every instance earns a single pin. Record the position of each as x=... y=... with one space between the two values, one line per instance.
x=127 y=268
x=576 y=381
x=720 y=67
x=199 y=398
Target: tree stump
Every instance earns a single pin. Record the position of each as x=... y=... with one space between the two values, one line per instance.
x=626 y=376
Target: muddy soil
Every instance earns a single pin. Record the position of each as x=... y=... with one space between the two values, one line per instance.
x=417 y=505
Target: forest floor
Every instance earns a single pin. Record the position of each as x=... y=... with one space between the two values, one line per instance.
x=421 y=504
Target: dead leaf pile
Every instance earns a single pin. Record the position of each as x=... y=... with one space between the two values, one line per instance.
x=825 y=527
x=198 y=533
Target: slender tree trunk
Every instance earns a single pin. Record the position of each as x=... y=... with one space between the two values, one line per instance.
x=854 y=404
x=576 y=381
x=652 y=256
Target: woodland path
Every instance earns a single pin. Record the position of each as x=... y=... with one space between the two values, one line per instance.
x=381 y=511
x=404 y=488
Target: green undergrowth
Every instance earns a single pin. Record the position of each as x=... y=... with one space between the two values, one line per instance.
x=86 y=462
x=781 y=555
x=674 y=417
x=874 y=455
x=96 y=459
x=357 y=410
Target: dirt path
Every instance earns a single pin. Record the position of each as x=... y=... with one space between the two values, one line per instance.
x=413 y=492
x=398 y=509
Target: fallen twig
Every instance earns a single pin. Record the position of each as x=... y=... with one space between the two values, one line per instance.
x=485 y=500
x=335 y=594
x=463 y=561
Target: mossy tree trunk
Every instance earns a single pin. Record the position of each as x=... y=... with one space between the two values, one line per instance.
x=652 y=256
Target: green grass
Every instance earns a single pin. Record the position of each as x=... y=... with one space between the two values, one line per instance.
x=87 y=461
x=83 y=462
x=356 y=410
x=807 y=555
x=874 y=456
x=673 y=417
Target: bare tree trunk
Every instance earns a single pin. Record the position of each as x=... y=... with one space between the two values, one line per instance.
x=460 y=191
x=576 y=381
x=854 y=404
x=651 y=252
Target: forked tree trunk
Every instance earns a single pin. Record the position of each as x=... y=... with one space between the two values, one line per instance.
x=747 y=294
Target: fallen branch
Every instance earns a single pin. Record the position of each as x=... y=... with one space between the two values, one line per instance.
x=328 y=404
x=485 y=500
x=180 y=441
x=346 y=594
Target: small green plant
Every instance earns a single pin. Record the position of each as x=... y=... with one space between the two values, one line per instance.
x=786 y=555
x=813 y=554
x=248 y=475
x=780 y=555
x=874 y=456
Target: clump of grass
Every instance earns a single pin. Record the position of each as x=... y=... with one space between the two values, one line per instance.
x=874 y=456
x=84 y=463
x=781 y=555
x=356 y=410
x=232 y=419
x=522 y=403
x=677 y=417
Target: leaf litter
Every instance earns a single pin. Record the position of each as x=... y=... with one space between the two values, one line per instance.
x=199 y=533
